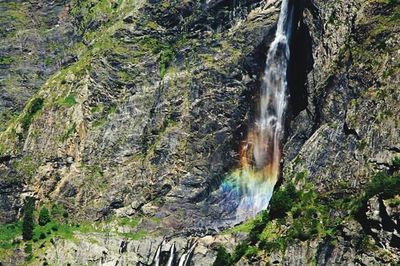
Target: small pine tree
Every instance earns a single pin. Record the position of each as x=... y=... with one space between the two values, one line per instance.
x=28 y=220
x=44 y=216
x=223 y=257
x=28 y=251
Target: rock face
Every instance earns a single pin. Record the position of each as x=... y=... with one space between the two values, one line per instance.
x=150 y=116
x=349 y=125
x=35 y=36
x=348 y=129
x=102 y=250
x=139 y=108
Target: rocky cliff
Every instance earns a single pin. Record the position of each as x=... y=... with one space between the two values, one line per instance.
x=135 y=111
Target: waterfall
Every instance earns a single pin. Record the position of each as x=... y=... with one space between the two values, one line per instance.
x=261 y=153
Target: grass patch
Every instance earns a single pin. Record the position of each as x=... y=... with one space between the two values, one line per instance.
x=33 y=108
x=9 y=235
x=5 y=60
x=134 y=235
x=53 y=229
x=244 y=227
x=131 y=222
x=68 y=101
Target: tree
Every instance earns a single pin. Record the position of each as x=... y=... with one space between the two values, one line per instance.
x=223 y=257
x=282 y=201
x=44 y=216
x=28 y=220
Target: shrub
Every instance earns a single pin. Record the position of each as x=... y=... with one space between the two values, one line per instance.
x=44 y=216
x=69 y=101
x=5 y=60
x=385 y=185
x=28 y=220
x=28 y=251
x=42 y=235
x=28 y=248
x=54 y=228
x=223 y=257
x=240 y=251
x=251 y=252
x=166 y=57
x=8 y=234
x=282 y=201
x=396 y=162
x=275 y=245
x=58 y=211
x=35 y=106
x=258 y=227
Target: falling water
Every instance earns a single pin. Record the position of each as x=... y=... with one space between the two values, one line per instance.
x=261 y=153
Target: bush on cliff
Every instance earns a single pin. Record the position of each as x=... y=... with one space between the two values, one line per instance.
x=282 y=201
x=28 y=221
x=44 y=216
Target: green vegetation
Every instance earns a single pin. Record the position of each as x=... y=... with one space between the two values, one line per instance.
x=52 y=229
x=26 y=166
x=9 y=234
x=244 y=227
x=101 y=113
x=131 y=222
x=223 y=257
x=54 y=222
x=166 y=58
x=90 y=12
x=48 y=61
x=396 y=162
x=134 y=235
x=28 y=250
x=386 y=186
x=282 y=201
x=69 y=132
x=166 y=52
x=373 y=49
x=58 y=212
x=35 y=106
x=5 y=60
x=303 y=215
x=152 y=25
x=68 y=101
x=28 y=220
x=44 y=216
x=6 y=117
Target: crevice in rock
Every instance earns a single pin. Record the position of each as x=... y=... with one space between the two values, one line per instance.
x=375 y=228
x=366 y=224
x=395 y=241
x=5 y=159
x=300 y=64
x=394 y=149
x=324 y=251
x=350 y=131
x=387 y=223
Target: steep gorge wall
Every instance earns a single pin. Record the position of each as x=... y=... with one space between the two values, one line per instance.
x=348 y=129
x=150 y=116
x=149 y=119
